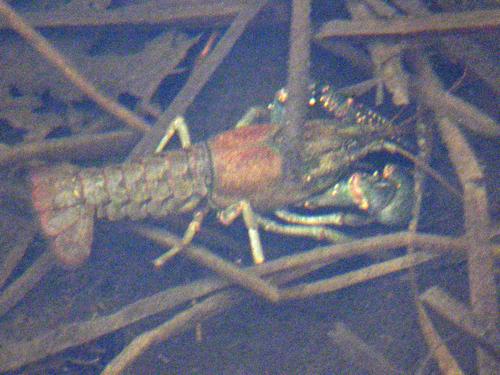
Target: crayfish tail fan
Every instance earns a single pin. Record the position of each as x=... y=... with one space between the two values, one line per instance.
x=64 y=218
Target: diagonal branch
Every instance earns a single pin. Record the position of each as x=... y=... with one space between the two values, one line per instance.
x=39 y=43
x=198 y=78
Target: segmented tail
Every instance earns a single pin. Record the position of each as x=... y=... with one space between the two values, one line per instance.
x=67 y=198
x=66 y=223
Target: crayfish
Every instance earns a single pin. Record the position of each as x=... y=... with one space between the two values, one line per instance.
x=238 y=172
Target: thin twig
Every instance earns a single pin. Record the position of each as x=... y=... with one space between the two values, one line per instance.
x=437 y=347
x=19 y=234
x=16 y=291
x=431 y=93
x=197 y=79
x=355 y=277
x=461 y=47
x=41 y=44
x=211 y=261
x=206 y=309
x=79 y=146
x=480 y=258
x=16 y=354
x=458 y=314
x=403 y=26
x=181 y=322
x=360 y=354
x=193 y=14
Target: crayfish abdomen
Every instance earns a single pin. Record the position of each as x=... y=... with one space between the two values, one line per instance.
x=68 y=198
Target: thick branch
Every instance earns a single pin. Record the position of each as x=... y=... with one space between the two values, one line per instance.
x=298 y=80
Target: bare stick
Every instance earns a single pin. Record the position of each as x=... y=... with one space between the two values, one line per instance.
x=458 y=314
x=181 y=322
x=431 y=93
x=193 y=14
x=355 y=277
x=480 y=259
x=206 y=309
x=360 y=354
x=16 y=291
x=437 y=347
x=39 y=43
x=197 y=80
x=16 y=354
x=223 y=268
x=402 y=26
x=79 y=146
x=368 y=245
x=298 y=80
x=461 y=47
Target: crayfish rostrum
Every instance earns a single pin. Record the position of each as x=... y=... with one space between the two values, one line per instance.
x=240 y=171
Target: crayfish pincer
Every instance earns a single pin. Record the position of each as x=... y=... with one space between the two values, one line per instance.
x=238 y=172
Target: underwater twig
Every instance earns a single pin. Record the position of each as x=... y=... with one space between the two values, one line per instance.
x=16 y=291
x=298 y=81
x=436 y=345
x=197 y=79
x=429 y=90
x=195 y=14
x=355 y=277
x=17 y=234
x=16 y=354
x=360 y=88
x=458 y=314
x=39 y=43
x=180 y=323
x=213 y=262
x=442 y=354
x=480 y=257
x=78 y=146
x=201 y=311
x=460 y=47
x=356 y=56
x=360 y=354
x=406 y=26
x=328 y=254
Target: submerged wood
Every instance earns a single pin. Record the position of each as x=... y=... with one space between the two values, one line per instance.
x=457 y=313
x=297 y=86
x=402 y=26
x=197 y=79
x=17 y=354
x=195 y=15
x=74 y=147
x=42 y=45
x=360 y=354
x=16 y=291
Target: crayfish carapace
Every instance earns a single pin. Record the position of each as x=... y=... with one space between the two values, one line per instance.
x=238 y=172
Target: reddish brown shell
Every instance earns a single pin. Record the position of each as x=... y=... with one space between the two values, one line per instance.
x=247 y=164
